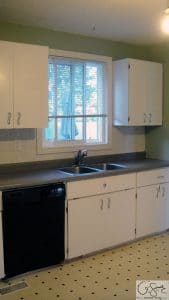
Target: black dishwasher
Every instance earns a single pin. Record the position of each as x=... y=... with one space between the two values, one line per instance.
x=33 y=227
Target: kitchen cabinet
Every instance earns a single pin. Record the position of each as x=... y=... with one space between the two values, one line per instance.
x=85 y=225
x=101 y=216
x=102 y=185
x=164 y=209
x=152 y=213
x=23 y=85
x=137 y=88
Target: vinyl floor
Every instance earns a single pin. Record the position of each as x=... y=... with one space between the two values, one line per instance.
x=109 y=275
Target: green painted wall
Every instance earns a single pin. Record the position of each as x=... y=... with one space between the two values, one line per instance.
x=157 y=138
x=71 y=42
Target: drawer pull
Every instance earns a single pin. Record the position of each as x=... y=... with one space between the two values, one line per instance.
x=104 y=185
x=160 y=177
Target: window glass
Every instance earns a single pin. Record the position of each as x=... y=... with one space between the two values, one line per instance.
x=77 y=100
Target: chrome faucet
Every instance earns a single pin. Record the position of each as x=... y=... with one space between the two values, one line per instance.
x=79 y=158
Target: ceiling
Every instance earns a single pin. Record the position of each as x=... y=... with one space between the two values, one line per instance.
x=131 y=21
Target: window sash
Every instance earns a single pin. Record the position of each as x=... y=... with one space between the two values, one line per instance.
x=100 y=125
x=76 y=116
x=101 y=108
x=91 y=83
x=106 y=114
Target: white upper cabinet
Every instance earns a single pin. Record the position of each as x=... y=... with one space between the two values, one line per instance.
x=23 y=85
x=6 y=102
x=137 y=93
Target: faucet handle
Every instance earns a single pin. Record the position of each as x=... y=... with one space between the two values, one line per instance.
x=79 y=157
x=83 y=152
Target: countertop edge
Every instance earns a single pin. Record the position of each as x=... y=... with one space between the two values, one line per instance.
x=52 y=176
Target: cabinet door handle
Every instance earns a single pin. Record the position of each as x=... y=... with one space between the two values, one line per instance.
x=109 y=203
x=101 y=204
x=145 y=118
x=158 y=190
x=150 y=116
x=9 y=118
x=163 y=191
x=104 y=185
x=160 y=177
x=18 y=118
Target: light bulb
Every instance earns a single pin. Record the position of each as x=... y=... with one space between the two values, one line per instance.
x=165 y=22
x=166 y=11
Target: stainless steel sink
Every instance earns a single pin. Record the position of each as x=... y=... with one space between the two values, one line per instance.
x=79 y=170
x=108 y=166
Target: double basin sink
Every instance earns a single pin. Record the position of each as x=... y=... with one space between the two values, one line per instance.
x=85 y=169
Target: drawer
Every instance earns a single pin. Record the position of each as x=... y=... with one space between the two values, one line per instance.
x=153 y=177
x=89 y=187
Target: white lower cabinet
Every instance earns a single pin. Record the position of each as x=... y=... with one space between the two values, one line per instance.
x=164 y=209
x=101 y=221
x=85 y=225
x=120 y=217
x=152 y=213
x=109 y=211
x=147 y=218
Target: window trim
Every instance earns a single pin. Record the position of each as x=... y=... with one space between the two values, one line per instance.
x=72 y=146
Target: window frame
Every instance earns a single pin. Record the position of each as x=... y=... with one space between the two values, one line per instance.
x=72 y=145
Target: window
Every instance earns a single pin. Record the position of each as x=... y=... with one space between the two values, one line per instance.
x=78 y=94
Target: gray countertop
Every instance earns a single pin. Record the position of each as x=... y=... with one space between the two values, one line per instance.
x=15 y=177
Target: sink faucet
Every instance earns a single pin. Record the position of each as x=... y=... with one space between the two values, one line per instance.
x=79 y=158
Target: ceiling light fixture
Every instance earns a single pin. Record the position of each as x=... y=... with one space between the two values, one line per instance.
x=165 y=20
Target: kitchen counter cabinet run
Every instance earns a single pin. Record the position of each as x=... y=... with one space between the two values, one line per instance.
x=108 y=211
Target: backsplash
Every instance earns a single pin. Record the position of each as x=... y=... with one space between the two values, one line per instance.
x=19 y=145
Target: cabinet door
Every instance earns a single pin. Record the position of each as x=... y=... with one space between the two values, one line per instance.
x=120 y=92
x=153 y=93
x=119 y=215
x=164 y=206
x=85 y=225
x=137 y=92
x=6 y=102
x=147 y=213
x=30 y=75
